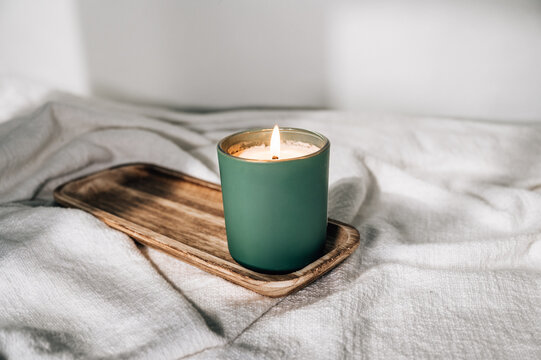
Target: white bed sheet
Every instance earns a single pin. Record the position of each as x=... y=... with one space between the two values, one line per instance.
x=449 y=264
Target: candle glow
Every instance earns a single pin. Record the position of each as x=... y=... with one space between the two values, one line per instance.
x=277 y=149
x=275 y=143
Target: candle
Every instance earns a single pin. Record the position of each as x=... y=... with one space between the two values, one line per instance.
x=274 y=189
x=277 y=149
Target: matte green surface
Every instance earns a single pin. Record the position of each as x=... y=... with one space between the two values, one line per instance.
x=275 y=212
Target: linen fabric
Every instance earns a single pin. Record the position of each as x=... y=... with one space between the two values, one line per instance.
x=449 y=263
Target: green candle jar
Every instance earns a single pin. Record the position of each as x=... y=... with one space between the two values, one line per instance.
x=275 y=210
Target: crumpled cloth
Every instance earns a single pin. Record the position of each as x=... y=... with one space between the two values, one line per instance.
x=449 y=263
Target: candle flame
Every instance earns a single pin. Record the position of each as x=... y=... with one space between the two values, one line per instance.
x=275 y=143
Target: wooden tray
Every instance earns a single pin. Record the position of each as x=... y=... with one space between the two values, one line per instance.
x=183 y=216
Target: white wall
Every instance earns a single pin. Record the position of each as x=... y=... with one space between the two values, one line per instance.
x=41 y=40
x=475 y=59
x=208 y=53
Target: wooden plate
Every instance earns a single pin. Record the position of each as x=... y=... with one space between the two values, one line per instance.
x=183 y=216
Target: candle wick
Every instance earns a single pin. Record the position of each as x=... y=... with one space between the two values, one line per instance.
x=275 y=157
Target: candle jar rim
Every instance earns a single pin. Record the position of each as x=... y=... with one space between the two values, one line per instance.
x=222 y=144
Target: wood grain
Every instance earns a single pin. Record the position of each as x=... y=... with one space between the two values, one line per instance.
x=183 y=216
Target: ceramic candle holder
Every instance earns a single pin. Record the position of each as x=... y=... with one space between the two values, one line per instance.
x=275 y=210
